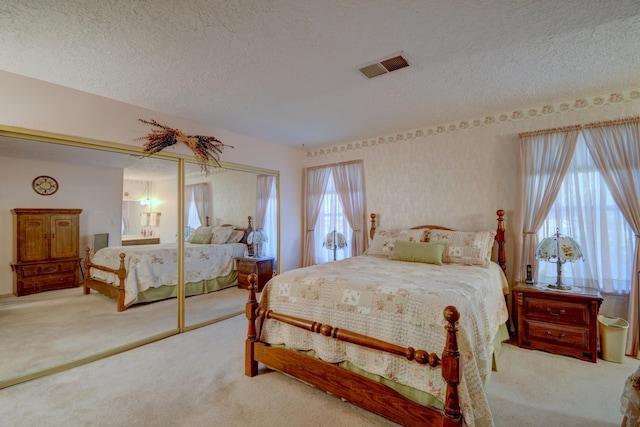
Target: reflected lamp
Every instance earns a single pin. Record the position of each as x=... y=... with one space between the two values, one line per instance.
x=558 y=249
x=334 y=241
x=257 y=238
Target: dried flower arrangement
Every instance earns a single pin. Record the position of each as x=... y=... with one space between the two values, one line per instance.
x=205 y=148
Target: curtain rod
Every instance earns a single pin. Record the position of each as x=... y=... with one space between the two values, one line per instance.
x=627 y=120
x=334 y=164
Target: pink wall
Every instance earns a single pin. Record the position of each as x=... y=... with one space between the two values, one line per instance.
x=37 y=105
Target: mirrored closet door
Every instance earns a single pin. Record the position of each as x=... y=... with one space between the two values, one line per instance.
x=226 y=210
x=48 y=328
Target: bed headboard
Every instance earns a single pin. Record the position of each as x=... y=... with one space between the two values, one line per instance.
x=246 y=230
x=499 y=235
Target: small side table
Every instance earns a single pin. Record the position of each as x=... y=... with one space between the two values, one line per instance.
x=560 y=322
x=262 y=267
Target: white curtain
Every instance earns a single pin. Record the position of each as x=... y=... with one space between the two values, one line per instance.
x=199 y=194
x=126 y=211
x=585 y=210
x=545 y=158
x=349 y=183
x=315 y=187
x=266 y=213
x=616 y=152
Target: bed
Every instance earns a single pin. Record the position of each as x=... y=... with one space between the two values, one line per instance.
x=147 y=273
x=363 y=328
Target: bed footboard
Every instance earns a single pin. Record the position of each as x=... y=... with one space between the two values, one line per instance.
x=354 y=388
x=107 y=289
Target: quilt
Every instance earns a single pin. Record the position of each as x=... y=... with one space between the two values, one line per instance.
x=157 y=265
x=401 y=303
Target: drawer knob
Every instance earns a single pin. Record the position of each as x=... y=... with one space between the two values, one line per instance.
x=553 y=313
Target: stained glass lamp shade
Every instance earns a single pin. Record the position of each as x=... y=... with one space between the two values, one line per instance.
x=559 y=248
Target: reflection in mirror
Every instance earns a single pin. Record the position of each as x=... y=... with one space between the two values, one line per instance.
x=227 y=200
x=52 y=325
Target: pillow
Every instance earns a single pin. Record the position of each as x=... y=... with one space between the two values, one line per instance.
x=221 y=234
x=200 y=230
x=465 y=247
x=384 y=240
x=236 y=236
x=426 y=252
x=201 y=238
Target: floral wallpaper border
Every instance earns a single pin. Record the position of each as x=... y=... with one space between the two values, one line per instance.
x=630 y=95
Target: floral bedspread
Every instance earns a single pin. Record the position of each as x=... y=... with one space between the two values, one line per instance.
x=152 y=266
x=402 y=303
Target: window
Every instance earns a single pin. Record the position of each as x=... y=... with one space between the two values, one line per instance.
x=335 y=200
x=331 y=218
x=192 y=219
x=270 y=224
x=585 y=210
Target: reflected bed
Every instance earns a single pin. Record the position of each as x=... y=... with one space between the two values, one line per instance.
x=147 y=273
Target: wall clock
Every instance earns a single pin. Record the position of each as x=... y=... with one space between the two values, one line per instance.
x=44 y=185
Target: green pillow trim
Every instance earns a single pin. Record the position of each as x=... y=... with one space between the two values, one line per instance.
x=425 y=252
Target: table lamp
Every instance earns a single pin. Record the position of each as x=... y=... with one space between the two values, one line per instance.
x=559 y=248
x=257 y=238
x=334 y=241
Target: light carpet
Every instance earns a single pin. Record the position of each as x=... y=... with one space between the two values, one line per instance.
x=48 y=329
x=197 y=379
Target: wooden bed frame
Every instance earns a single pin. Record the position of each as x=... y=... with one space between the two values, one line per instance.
x=118 y=293
x=352 y=387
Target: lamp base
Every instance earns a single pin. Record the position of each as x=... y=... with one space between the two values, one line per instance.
x=560 y=287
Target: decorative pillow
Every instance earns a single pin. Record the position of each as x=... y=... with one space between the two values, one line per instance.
x=236 y=236
x=221 y=235
x=201 y=238
x=465 y=247
x=426 y=252
x=413 y=235
x=200 y=230
x=384 y=240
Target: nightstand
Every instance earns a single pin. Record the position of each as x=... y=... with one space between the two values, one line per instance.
x=262 y=267
x=560 y=322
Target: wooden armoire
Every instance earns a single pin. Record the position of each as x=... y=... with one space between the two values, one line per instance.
x=46 y=250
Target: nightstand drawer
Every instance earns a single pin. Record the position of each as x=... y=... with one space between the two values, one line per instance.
x=556 y=334
x=556 y=311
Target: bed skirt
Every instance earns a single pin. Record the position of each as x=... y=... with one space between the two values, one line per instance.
x=195 y=288
x=418 y=396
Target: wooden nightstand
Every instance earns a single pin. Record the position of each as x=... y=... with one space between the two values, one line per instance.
x=262 y=266
x=560 y=322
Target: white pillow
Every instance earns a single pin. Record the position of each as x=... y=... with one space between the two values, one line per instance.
x=465 y=247
x=221 y=234
x=384 y=240
x=236 y=236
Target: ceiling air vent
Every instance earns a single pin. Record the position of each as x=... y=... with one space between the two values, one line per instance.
x=385 y=66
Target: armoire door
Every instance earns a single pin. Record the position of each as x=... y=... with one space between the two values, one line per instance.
x=64 y=236
x=33 y=238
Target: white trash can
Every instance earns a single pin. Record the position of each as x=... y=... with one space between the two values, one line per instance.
x=613 y=337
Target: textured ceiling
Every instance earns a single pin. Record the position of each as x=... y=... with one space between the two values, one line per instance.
x=286 y=70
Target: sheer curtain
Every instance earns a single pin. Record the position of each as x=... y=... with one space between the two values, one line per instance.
x=315 y=186
x=126 y=211
x=585 y=210
x=616 y=152
x=349 y=183
x=331 y=217
x=335 y=200
x=265 y=212
x=199 y=195
x=545 y=158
